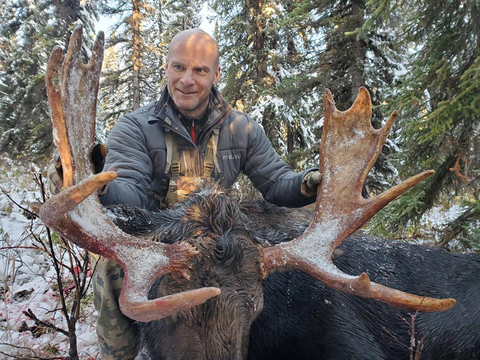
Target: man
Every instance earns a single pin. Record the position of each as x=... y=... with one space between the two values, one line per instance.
x=190 y=133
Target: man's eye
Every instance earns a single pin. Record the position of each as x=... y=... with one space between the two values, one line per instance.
x=178 y=67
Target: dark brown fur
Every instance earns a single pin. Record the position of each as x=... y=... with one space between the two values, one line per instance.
x=228 y=238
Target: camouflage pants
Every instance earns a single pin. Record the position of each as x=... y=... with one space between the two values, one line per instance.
x=118 y=336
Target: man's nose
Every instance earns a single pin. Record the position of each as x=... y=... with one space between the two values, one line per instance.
x=187 y=78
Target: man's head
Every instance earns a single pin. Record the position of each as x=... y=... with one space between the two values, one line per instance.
x=192 y=69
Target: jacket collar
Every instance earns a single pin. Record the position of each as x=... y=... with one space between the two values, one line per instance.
x=165 y=113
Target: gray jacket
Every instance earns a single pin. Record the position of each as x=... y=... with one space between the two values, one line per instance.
x=137 y=151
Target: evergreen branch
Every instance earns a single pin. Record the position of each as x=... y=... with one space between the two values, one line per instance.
x=457 y=225
x=444 y=104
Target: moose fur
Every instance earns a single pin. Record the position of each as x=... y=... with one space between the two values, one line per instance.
x=290 y=315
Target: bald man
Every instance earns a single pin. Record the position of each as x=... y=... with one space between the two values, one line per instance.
x=190 y=133
x=192 y=69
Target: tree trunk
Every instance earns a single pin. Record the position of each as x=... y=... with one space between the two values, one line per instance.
x=290 y=138
x=72 y=338
x=136 y=55
x=358 y=48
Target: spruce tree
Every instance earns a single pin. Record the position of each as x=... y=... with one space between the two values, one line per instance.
x=124 y=77
x=137 y=45
x=439 y=126
x=279 y=58
x=28 y=33
x=259 y=56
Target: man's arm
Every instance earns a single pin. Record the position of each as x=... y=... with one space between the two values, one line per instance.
x=128 y=155
x=270 y=174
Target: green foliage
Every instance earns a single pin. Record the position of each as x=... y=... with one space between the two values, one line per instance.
x=400 y=218
x=264 y=70
x=56 y=239
x=28 y=32
x=333 y=59
x=133 y=72
x=51 y=349
x=464 y=227
x=438 y=98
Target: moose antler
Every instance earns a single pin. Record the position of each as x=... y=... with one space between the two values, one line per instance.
x=349 y=149
x=76 y=213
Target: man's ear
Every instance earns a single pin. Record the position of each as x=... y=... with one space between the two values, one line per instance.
x=217 y=76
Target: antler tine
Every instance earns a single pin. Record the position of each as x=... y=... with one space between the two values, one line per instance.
x=349 y=149
x=78 y=216
x=79 y=89
x=52 y=79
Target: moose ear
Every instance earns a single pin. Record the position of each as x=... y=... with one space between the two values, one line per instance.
x=349 y=149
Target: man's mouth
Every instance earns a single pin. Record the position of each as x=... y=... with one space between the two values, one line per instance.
x=186 y=92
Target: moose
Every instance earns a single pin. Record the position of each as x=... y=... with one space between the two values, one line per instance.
x=216 y=277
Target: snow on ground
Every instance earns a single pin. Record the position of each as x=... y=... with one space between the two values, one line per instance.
x=27 y=279
x=431 y=228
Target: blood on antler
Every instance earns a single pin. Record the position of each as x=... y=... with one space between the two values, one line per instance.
x=349 y=149
x=76 y=213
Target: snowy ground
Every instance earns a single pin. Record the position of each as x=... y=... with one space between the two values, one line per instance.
x=27 y=279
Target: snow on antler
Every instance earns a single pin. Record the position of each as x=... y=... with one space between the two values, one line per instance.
x=350 y=146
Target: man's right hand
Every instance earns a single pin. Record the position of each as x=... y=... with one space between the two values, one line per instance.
x=55 y=171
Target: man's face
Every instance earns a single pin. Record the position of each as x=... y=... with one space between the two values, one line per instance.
x=192 y=69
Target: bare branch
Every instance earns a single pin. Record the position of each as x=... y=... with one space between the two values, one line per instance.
x=29 y=313
x=34 y=356
x=24 y=209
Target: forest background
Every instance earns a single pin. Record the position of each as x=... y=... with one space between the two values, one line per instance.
x=277 y=57
x=420 y=57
